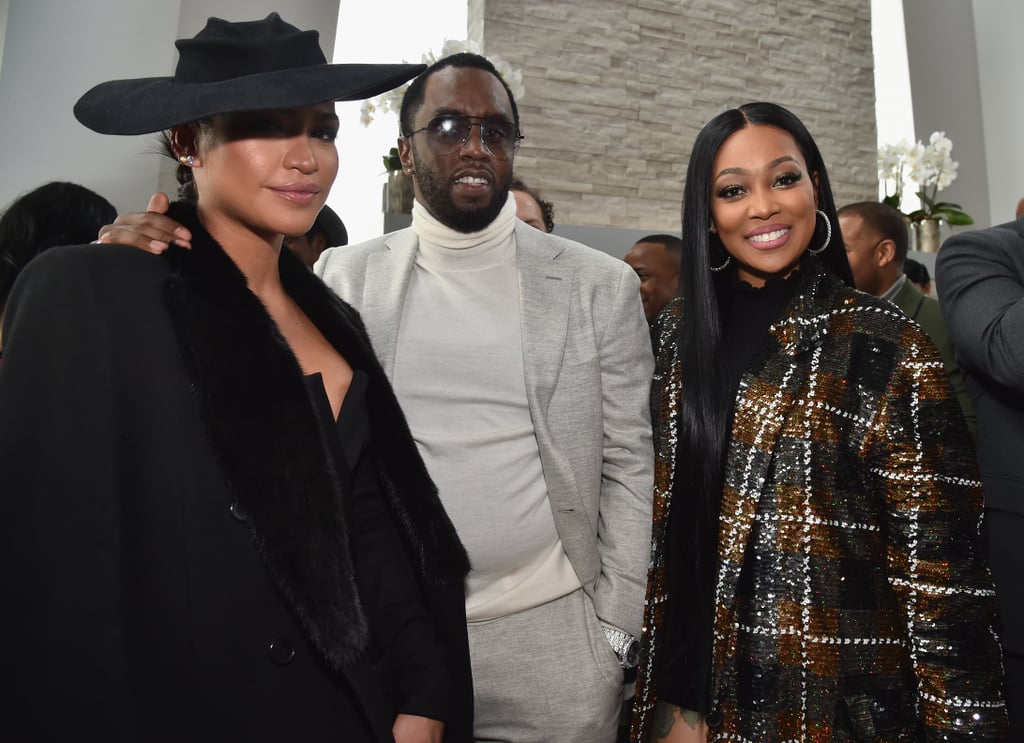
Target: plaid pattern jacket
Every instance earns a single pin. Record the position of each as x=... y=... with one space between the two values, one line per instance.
x=851 y=602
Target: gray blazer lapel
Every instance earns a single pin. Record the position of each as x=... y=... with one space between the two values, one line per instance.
x=545 y=289
x=387 y=279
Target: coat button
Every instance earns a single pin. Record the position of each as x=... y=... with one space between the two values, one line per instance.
x=236 y=511
x=713 y=718
x=282 y=651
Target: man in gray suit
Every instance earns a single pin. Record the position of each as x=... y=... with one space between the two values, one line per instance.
x=523 y=364
x=981 y=275
x=875 y=236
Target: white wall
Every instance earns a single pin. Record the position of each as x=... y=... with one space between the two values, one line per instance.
x=998 y=26
x=965 y=70
x=4 y=5
x=55 y=50
x=943 y=60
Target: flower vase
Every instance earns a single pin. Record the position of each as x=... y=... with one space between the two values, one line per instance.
x=398 y=193
x=927 y=235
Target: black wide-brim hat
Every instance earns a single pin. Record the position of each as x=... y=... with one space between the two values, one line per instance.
x=230 y=67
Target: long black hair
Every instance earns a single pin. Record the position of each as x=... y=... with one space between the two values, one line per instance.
x=56 y=213
x=706 y=404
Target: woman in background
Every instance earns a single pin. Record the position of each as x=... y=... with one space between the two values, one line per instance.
x=214 y=523
x=817 y=574
x=56 y=213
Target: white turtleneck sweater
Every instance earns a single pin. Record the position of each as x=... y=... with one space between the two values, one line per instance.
x=459 y=376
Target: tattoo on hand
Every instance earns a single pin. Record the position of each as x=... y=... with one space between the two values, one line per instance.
x=691 y=718
x=663 y=720
x=665 y=716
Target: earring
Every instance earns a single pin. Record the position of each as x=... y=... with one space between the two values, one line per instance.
x=828 y=232
x=724 y=266
x=728 y=257
x=187 y=160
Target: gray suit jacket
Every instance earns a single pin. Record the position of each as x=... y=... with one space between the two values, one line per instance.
x=588 y=367
x=926 y=313
x=980 y=275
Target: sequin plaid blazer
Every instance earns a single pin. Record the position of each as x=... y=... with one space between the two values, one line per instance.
x=851 y=602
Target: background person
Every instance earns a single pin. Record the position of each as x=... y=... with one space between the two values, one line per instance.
x=328 y=231
x=981 y=273
x=817 y=574
x=215 y=524
x=531 y=207
x=875 y=236
x=656 y=260
x=917 y=272
x=56 y=213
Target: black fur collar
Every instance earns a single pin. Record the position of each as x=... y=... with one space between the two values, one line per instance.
x=262 y=425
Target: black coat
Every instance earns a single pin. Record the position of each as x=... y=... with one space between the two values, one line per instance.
x=180 y=558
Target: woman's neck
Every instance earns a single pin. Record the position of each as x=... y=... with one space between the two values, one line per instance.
x=255 y=255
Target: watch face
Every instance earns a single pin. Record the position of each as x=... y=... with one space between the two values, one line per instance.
x=633 y=654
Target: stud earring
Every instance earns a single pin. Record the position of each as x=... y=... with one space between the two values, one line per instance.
x=187 y=160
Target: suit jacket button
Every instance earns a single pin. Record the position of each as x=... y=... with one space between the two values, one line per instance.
x=282 y=651
x=713 y=718
x=236 y=511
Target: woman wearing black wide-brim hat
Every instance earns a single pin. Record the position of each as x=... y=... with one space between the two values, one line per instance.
x=215 y=524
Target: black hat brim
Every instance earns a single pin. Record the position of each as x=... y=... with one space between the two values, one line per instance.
x=146 y=105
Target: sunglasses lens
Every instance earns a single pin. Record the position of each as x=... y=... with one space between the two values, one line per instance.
x=448 y=133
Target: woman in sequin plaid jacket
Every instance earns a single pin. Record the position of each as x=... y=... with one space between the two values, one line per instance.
x=830 y=589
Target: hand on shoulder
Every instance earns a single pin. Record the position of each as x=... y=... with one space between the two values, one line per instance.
x=150 y=230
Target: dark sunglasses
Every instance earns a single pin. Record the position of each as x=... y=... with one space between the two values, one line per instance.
x=446 y=134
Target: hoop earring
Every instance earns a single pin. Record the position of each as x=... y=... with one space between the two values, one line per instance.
x=716 y=269
x=828 y=232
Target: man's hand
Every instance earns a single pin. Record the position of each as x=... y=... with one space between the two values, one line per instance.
x=416 y=729
x=671 y=724
x=149 y=230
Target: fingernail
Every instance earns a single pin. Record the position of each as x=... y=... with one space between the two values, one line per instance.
x=182 y=233
x=157 y=245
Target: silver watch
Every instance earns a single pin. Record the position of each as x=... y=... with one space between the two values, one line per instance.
x=625 y=646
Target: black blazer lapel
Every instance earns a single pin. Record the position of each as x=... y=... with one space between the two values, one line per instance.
x=262 y=425
x=410 y=493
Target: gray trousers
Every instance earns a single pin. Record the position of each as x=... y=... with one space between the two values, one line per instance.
x=546 y=675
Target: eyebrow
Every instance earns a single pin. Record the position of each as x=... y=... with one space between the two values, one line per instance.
x=445 y=111
x=742 y=171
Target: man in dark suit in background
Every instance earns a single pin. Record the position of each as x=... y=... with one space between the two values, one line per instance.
x=982 y=278
x=876 y=246
x=656 y=259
